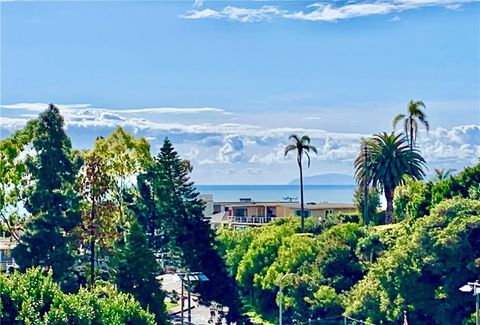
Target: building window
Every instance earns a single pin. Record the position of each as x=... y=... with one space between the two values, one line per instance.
x=240 y=212
x=306 y=213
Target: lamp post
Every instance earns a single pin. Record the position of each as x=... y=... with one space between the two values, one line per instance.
x=475 y=287
x=365 y=186
x=189 y=277
x=280 y=297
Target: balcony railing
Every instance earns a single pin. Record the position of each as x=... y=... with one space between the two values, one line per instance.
x=251 y=220
x=5 y=263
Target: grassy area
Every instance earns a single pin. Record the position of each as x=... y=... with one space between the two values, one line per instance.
x=171 y=305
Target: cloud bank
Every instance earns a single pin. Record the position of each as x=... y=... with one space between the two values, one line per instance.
x=252 y=152
x=320 y=11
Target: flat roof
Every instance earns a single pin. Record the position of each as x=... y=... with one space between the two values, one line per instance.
x=294 y=205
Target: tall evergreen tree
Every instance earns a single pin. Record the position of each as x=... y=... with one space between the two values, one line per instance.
x=136 y=268
x=173 y=217
x=51 y=200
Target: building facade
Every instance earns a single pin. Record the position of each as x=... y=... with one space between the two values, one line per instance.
x=248 y=213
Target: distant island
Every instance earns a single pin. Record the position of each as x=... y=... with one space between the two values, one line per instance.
x=326 y=179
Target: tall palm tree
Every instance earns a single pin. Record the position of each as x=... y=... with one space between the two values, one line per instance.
x=390 y=158
x=301 y=146
x=414 y=116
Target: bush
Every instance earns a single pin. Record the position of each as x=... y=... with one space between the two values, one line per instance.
x=34 y=298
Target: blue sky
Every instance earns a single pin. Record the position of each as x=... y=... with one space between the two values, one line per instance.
x=229 y=81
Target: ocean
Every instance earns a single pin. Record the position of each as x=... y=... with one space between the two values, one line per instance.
x=312 y=193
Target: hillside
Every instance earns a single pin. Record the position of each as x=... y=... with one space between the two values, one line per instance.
x=326 y=179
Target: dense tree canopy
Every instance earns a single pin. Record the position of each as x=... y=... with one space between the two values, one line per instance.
x=51 y=200
x=116 y=208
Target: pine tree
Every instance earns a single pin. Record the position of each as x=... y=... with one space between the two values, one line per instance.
x=51 y=200
x=172 y=215
x=136 y=270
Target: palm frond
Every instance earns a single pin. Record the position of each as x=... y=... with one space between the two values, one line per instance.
x=305 y=139
x=308 y=157
x=397 y=119
x=294 y=137
x=311 y=148
x=290 y=147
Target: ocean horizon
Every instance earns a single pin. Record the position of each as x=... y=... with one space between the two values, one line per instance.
x=312 y=193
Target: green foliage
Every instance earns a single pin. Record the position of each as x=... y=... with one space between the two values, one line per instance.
x=389 y=159
x=34 y=298
x=373 y=204
x=171 y=213
x=424 y=269
x=321 y=266
x=51 y=200
x=415 y=199
x=411 y=199
x=13 y=177
x=123 y=157
x=136 y=270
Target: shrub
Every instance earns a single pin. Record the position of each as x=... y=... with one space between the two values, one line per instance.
x=34 y=298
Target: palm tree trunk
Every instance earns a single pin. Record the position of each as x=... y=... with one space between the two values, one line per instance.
x=389 y=211
x=301 y=195
x=411 y=133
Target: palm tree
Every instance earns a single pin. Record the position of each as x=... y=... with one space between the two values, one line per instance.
x=301 y=146
x=411 y=120
x=390 y=158
x=441 y=174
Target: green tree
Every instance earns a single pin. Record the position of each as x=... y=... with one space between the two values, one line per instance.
x=390 y=159
x=301 y=146
x=52 y=201
x=14 y=178
x=414 y=116
x=136 y=270
x=171 y=212
x=34 y=298
x=124 y=157
x=431 y=258
x=99 y=213
x=373 y=203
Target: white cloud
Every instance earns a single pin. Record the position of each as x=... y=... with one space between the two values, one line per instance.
x=86 y=110
x=241 y=146
x=244 y=15
x=198 y=3
x=254 y=171
x=329 y=12
x=232 y=150
x=321 y=11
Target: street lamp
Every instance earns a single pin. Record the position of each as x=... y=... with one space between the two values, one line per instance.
x=280 y=297
x=189 y=277
x=475 y=287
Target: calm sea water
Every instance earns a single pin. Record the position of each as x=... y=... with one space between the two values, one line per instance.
x=313 y=193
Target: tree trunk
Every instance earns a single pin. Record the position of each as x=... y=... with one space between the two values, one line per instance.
x=389 y=211
x=302 y=209
x=411 y=134
x=92 y=245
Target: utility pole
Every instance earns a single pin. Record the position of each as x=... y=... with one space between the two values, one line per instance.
x=181 y=301
x=189 y=304
x=365 y=187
